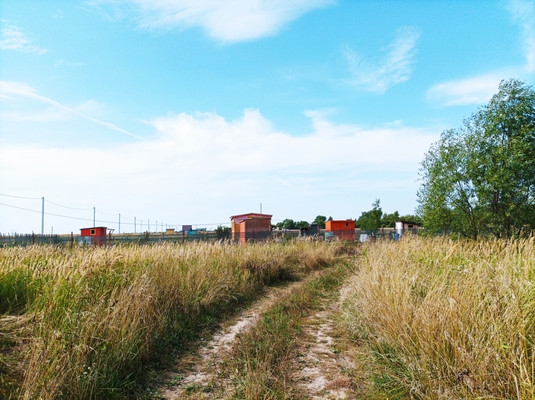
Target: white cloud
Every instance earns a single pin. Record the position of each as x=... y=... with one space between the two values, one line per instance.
x=225 y=21
x=395 y=66
x=479 y=89
x=12 y=38
x=202 y=167
x=470 y=91
x=523 y=13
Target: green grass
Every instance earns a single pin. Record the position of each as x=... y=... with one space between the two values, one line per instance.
x=84 y=323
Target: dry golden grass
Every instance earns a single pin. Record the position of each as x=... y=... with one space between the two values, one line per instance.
x=441 y=319
x=82 y=323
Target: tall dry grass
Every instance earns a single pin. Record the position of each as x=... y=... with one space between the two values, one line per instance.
x=82 y=323
x=441 y=319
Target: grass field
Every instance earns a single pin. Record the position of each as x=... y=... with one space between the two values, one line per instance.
x=441 y=319
x=85 y=323
x=422 y=318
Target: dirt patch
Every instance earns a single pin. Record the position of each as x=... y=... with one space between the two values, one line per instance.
x=200 y=375
x=319 y=369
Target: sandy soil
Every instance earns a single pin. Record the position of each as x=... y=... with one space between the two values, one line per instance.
x=318 y=368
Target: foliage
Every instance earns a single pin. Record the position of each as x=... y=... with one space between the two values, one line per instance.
x=286 y=224
x=302 y=225
x=411 y=219
x=389 y=220
x=223 y=231
x=320 y=221
x=371 y=220
x=480 y=178
x=291 y=224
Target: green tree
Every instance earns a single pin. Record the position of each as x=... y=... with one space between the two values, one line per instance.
x=320 y=220
x=389 y=220
x=302 y=225
x=480 y=179
x=286 y=224
x=371 y=220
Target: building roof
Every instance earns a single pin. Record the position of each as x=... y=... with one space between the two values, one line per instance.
x=241 y=217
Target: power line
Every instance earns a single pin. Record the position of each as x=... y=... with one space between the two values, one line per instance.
x=121 y=216
x=20 y=197
x=70 y=208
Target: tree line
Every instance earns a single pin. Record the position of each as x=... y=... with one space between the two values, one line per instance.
x=369 y=220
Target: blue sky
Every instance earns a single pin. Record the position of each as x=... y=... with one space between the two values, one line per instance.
x=187 y=112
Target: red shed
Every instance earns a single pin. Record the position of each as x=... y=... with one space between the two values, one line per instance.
x=343 y=229
x=251 y=226
x=96 y=235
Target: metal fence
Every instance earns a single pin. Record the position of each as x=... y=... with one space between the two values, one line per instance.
x=199 y=236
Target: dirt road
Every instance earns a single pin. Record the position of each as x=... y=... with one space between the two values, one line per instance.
x=319 y=370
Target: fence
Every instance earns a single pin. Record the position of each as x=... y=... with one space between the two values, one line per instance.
x=185 y=237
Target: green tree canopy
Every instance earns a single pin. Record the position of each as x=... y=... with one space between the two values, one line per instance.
x=480 y=179
x=370 y=220
x=286 y=224
x=389 y=220
x=302 y=225
x=320 y=220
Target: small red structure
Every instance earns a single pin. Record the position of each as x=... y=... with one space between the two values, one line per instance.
x=342 y=229
x=95 y=235
x=252 y=226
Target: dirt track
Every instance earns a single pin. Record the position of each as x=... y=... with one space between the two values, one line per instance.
x=318 y=369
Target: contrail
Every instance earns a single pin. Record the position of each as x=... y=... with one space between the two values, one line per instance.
x=24 y=90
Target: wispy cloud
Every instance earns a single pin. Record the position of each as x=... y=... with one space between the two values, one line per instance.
x=394 y=67
x=13 y=38
x=479 y=89
x=523 y=13
x=462 y=92
x=226 y=21
x=19 y=89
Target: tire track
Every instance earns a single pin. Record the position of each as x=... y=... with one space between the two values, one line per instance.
x=319 y=369
x=201 y=376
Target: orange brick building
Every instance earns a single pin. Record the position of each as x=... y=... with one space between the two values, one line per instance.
x=251 y=226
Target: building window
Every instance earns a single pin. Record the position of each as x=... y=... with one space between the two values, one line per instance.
x=93 y=232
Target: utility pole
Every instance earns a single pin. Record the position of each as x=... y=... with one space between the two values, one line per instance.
x=119 y=222
x=135 y=225
x=42 y=216
x=94 y=213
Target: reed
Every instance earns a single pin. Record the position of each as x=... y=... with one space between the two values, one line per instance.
x=83 y=323
x=441 y=319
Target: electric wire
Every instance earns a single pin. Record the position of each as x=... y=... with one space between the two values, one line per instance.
x=123 y=221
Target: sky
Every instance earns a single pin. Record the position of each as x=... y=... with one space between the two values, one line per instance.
x=152 y=114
